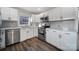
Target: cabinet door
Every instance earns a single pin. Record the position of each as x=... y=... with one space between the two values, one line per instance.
x=69 y=41
x=30 y=33
x=53 y=38
x=23 y=34
x=35 y=32
x=14 y=14
x=5 y=13
x=69 y=12
x=55 y=14
x=35 y=18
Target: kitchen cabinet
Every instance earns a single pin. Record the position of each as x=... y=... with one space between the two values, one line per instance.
x=69 y=12
x=35 y=32
x=27 y=33
x=9 y=14
x=53 y=38
x=55 y=14
x=62 y=39
x=23 y=34
x=36 y=18
x=69 y=41
x=14 y=14
x=5 y=13
x=62 y=13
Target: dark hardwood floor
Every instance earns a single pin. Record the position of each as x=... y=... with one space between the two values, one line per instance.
x=33 y=44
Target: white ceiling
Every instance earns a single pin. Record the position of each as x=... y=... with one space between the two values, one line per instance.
x=36 y=10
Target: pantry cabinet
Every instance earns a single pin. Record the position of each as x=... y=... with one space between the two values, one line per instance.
x=62 y=39
x=9 y=14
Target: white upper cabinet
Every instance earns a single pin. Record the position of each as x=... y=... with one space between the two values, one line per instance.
x=9 y=14
x=5 y=13
x=13 y=14
x=55 y=14
x=69 y=12
x=62 y=13
x=35 y=18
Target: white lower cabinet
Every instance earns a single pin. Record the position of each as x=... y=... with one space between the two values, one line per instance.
x=69 y=41
x=61 y=39
x=52 y=38
x=26 y=33
x=23 y=34
x=35 y=32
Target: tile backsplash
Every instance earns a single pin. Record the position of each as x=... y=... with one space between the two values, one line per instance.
x=64 y=25
x=9 y=24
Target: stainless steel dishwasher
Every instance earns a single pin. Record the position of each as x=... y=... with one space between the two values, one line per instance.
x=12 y=36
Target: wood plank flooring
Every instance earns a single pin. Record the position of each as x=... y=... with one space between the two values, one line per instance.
x=33 y=44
